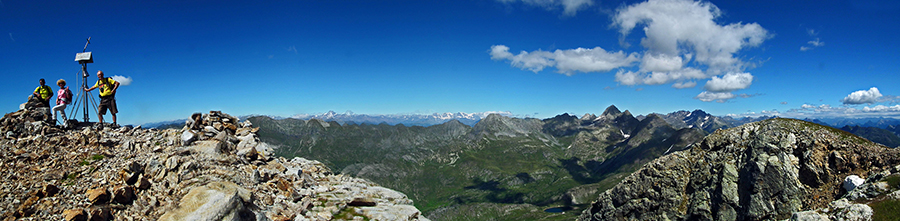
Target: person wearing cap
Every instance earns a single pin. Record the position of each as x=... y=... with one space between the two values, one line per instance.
x=108 y=88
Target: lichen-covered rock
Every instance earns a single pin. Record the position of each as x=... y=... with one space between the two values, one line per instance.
x=141 y=174
x=759 y=171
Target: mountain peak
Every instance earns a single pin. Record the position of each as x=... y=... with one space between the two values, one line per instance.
x=611 y=110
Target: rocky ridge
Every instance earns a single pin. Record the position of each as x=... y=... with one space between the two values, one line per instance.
x=767 y=170
x=215 y=168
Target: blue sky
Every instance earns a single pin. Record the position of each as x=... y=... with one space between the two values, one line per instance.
x=534 y=58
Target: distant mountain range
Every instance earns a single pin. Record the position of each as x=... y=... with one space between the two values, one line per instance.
x=678 y=119
x=405 y=119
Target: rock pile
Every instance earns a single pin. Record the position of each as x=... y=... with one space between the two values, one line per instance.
x=759 y=171
x=213 y=169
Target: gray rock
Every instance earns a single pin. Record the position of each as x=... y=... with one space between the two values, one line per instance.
x=214 y=201
x=808 y=216
x=855 y=212
x=759 y=171
x=187 y=137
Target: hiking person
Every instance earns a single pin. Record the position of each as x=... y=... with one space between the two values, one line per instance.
x=63 y=99
x=108 y=88
x=43 y=93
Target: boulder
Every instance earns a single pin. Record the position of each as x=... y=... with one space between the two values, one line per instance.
x=852 y=181
x=98 y=196
x=187 y=137
x=214 y=201
x=123 y=194
x=101 y=214
x=75 y=215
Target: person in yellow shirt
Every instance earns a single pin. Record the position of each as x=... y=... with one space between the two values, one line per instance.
x=43 y=93
x=108 y=88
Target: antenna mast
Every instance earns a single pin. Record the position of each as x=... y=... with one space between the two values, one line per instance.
x=85 y=58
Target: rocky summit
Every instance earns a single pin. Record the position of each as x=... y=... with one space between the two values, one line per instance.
x=770 y=170
x=215 y=168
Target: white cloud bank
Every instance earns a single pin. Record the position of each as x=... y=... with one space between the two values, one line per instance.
x=682 y=43
x=872 y=96
x=123 y=81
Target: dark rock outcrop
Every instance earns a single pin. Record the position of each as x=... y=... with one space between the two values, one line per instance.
x=759 y=171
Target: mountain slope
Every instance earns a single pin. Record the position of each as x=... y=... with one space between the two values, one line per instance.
x=500 y=162
x=877 y=135
x=763 y=170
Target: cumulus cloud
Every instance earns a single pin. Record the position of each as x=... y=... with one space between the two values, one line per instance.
x=870 y=96
x=570 y=7
x=123 y=81
x=729 y=82
x=681 y=43
x=565 y=61
x=676 y=27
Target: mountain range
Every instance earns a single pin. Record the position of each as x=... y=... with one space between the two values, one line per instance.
x=405 y=119
x=499 y=168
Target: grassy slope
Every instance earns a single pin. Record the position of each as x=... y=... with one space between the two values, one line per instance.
x=496 y=171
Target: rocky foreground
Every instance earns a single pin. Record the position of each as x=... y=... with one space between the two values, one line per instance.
x=770 y=170
x=213 y=169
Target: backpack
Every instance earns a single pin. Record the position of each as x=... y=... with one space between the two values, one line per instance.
x=68 y=95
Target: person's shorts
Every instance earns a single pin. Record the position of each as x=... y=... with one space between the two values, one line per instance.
x=108 y=102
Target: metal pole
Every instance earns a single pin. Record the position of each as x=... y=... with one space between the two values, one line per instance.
x=84 y=96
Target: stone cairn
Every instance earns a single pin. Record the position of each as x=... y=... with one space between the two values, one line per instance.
x=215 y=168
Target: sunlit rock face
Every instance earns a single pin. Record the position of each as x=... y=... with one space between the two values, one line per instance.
x=215 y=168
x=771 y=169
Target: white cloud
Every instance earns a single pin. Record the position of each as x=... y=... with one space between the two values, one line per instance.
x=816 y=43
x=11 y=37
x=729 y=82
x=570 y=7
x=661 y=63
x=870 y=96
x=827 y=111
x=812 y=44
x=500 y=52
x=720 y=97
x=682 y=85
x=674 y=27
x=882 y=108
x=681 y=43
x=654 y=78
x=566 y=61
x=123 y=81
